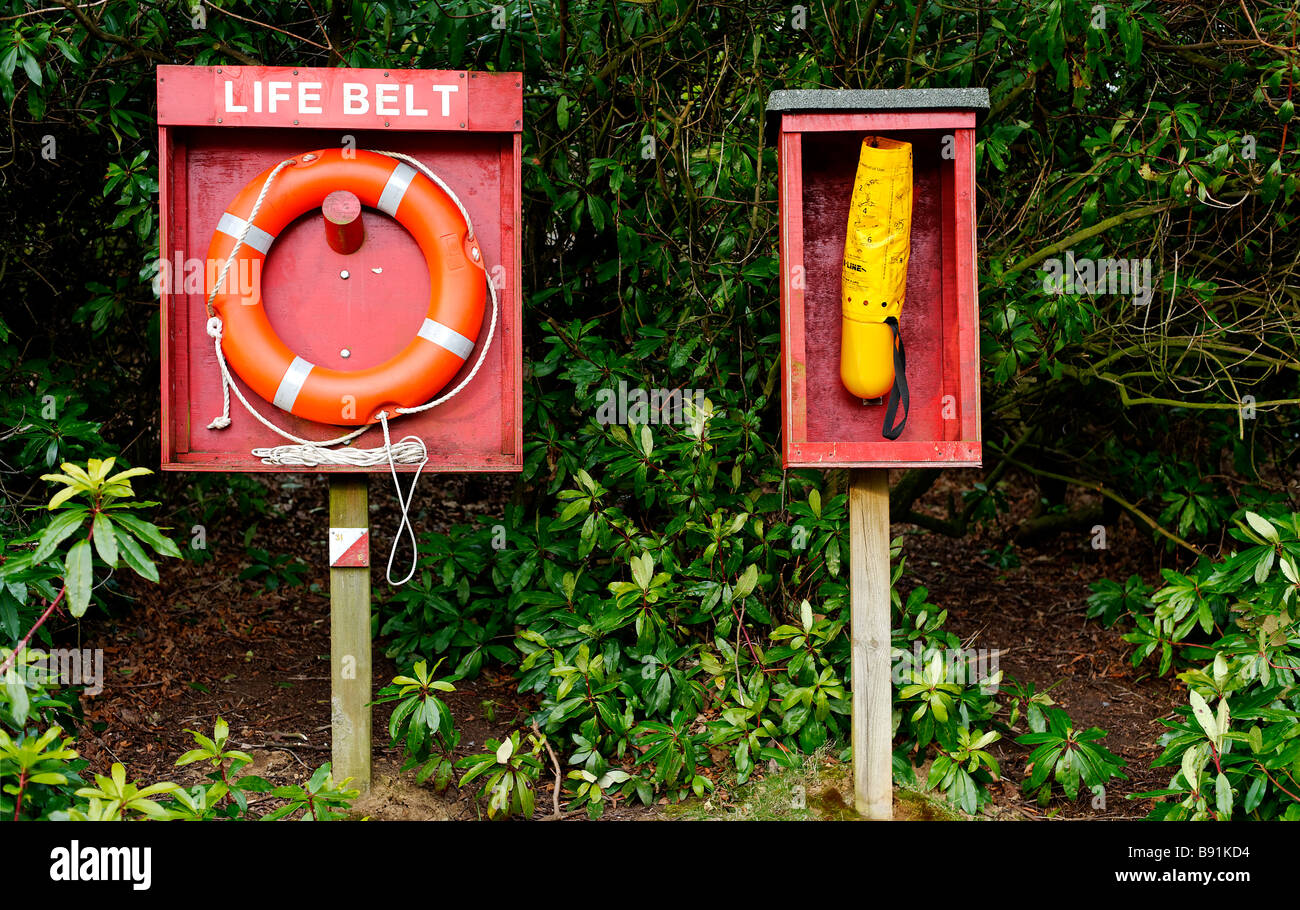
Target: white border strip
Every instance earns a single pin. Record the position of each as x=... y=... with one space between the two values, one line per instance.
x=398 y=182
x=446 y=338
x=291 y=384
x=258 y=239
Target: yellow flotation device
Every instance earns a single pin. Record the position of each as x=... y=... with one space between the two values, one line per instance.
x=874 y=283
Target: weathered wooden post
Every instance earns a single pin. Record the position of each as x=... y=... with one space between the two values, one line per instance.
x=870 y=641
x=350 y=628
x=818 y=135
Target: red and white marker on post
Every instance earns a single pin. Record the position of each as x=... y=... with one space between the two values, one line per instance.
x=349 y=547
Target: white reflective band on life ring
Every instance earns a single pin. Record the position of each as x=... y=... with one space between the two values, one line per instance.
x=395 y=189
x=291 y=383
x=446 y=338
x=258 y=239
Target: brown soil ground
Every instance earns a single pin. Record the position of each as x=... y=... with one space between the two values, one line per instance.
x=204 y=644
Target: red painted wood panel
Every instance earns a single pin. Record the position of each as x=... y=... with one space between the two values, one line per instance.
x=968 y=346
x=793 y=282
x=951 y=362
x=900 y=454
x=877 y=121
x=823 y=424
x=372 y=313
x=166 y=197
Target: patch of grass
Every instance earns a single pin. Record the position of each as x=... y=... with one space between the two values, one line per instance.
x=912 y=805
x=809 y=792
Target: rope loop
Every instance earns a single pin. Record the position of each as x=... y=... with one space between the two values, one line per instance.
x=404 y=502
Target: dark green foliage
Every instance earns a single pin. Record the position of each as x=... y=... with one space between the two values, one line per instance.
x=422 y=724
x=506 y=774
x=1069 y=757
x=274 y=570
x=1111 y=601
x=1232 y=623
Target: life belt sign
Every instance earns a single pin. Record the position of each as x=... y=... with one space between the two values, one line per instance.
x=457 y=289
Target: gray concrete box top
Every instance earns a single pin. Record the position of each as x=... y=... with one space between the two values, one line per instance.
x=872 y=99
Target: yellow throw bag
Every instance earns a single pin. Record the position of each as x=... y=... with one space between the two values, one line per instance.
x=874 y=280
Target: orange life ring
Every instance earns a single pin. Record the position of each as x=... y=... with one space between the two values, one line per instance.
x=456 y=299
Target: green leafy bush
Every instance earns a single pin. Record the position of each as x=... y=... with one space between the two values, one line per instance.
x=507 y=775
x=1240 y=758
x=40 y=778
x=320 y=798
x=422 y=724
x=274 y=570
x=452 y=607
x=39 y=772
x=1111 y=601
x=94 y=514
x=1069 y=757
x=941 y=710
x=114 y=798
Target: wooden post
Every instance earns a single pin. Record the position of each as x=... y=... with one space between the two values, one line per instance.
x=873 y=780
x=350 y=629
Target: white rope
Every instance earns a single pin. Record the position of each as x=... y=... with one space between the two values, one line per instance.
x=404 y=502
x=312 y=456
x=309 y=453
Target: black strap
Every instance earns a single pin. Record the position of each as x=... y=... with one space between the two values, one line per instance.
x=899 y=391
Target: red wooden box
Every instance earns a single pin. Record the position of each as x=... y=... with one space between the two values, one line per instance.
x=218 y=127
x=819 y=136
